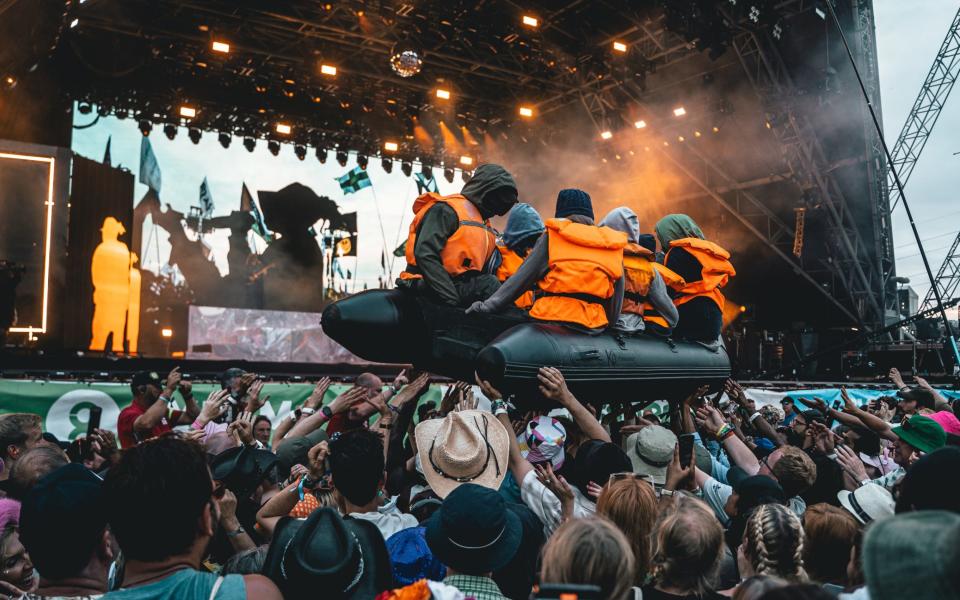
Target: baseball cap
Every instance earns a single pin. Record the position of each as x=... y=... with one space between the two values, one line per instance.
x=146 y=378
x=947 y=420
x=923 y=433
x=62 y=520
x=759 y=489
x=545 y=437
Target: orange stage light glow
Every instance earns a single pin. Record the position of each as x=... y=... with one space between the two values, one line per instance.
x=222 y=47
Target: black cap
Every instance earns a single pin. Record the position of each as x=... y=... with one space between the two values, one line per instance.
x=758 y=489
x=229 y=374
x=242 y=469
x=62 y=520
x=146 y=378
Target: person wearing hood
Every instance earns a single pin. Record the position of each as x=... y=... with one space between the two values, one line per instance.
x=705 y=267
x=524 y=228
x=644 y=284
x=576 y=269
x=451 y=242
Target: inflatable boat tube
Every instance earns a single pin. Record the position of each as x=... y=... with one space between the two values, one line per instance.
x=397 y=326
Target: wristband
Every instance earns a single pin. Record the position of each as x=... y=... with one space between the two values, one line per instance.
x=197 y=425
x=724 y=432
x=393 y=408
x=327 y=413
x=754 y=416
x=236 y=532
x=666 y=492
x=306 y=410
x=903 y=387
x=499 y=407
x=166 y=398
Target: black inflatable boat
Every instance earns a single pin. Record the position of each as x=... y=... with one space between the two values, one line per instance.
x=397 y=326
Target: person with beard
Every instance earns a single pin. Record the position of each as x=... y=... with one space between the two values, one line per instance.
x=451 y=242
x=163 y=508
x=149 y=415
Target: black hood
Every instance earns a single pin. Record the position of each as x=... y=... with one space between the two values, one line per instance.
x=486 y=179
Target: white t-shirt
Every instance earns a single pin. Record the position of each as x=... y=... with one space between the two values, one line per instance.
x=547 y=506
x=388 y=519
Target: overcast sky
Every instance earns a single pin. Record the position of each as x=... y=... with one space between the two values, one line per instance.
x=909 y=35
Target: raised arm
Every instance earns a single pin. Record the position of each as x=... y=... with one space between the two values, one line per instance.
x=873 y=422
x=160 y=408
x=339 y=404
x=554 y=387
x=738 y=451
x=519 y=466
x=736 y=393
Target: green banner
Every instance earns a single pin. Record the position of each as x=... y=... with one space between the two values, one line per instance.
x=65 y=405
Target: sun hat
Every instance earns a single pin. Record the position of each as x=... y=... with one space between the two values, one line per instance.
x=913 y=555
x=468 y=446
x=923 y=433
x=474 y=531
x=868 y=502
x=544 y=438
x=947 y=420
x=651 y=450
x=329 y=555
x=411 y=558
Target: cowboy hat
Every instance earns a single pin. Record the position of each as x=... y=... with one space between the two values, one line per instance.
x=468 y=446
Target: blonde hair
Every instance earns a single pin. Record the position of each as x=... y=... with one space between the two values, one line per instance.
x=689 y=544
x=590 y=551
x=631 y=504
x=773 y=542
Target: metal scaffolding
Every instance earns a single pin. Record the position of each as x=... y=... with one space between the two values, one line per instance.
x=948 y=277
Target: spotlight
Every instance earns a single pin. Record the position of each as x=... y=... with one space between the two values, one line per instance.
x=328 y=70
x=222 y=47
x=777 y=31
x=754 y=14
x=679 y=111
x=224 y=138
x=448 y=174
x=300 y=151
x=530 y=21
x=391 y=146
x=696 y=134
x=321 y=154
x=526 y=111
x=387 y=165
x=640 y=124
x=362 y=161
x=145 y=127
x=427 y=171
x=341 y=158
x=249 y=143
x=619 y=47
x=466 y=160
x=606 y=134
x=284 y=129
x=121 y=113
x=194 y=135
x=406 y=168
x=465 y=176
x=406 y=59
x=443 y=94
x=84 y=108
x=274 y=147
x=170 y=130
x=74 y=23
x=716 y=130
x=188 y=112
x=166 y=332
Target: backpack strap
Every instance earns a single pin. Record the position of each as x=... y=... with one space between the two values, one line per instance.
x=216 y=587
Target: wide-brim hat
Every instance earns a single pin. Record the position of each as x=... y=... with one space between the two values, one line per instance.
x=474 y=531
x=651 y=450
x=469 y=446
x=923 y=433
x=868 y=502
x=328 y=555
x=242 y=469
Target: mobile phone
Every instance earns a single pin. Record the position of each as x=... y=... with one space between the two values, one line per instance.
x=93 y=420
x=686 y=449
x=568 y=591
x=837 y=404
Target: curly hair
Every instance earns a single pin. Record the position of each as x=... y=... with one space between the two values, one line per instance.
x=773 y=543
x=688 y=546
x=795 y=471
x=631 y=504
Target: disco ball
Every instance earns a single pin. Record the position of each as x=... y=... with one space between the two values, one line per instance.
x=406 y=61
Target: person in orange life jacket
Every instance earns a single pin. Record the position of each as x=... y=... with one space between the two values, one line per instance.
x=450 y=243
x=643 y=282
x=524 y=228
x=577 y=270
x=653 y=321
x=705 y=267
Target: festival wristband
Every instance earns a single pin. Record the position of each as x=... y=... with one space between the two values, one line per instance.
x=754 y=416
x=724 y=432
x=197 y=425
x=307 y=410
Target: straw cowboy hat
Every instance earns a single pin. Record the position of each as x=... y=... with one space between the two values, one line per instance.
x=469 y=446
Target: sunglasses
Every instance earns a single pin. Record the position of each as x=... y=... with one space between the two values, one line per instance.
x=631 y=475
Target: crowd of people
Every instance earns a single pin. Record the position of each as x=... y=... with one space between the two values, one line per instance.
x=377 y=493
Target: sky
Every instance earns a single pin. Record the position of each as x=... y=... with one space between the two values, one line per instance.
x=909 y=35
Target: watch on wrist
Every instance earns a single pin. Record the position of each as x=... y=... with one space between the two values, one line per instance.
x=236 y=532
x=327 y=412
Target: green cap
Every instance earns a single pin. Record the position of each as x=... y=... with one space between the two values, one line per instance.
x=923 y=433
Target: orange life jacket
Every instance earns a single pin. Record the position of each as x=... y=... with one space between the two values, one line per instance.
x=715 y=267
x=638 y=274
x=511 y=262
x=584 y=265
x=470 y=246
x=674 y=282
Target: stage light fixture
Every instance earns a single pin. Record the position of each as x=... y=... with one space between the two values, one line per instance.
x=448 y=174
x=530 y=21
x=284 y=129
x=387 y=164
x=224 y=138
x=222 y=47
x=466 y=160
x=606 y=134
x=619 y=47
x=679 y=111
x=321 y=154
x=362 y=161
x=74 y=23
x=466 y=175
x=696 y=134
x=443 y=94
x=300 y=151
x=166 y=332
x=274 y=147
x=328 y=70
x=194 y=134
x=391 y=146
x=84 y=108
x=341 y=158
x=640 y=124
x=526 y=111
x=170 y=130
x=121 y=113
x=188 y=112
x=10 y=80
x=680 y=138
x=427 y=171
x=716 y=130
x=406 y=59
x=145 y=127
x=406 y=168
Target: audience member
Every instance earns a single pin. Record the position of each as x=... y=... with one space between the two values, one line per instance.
x=867 y=503
x=16 y=568
x=931 y=483
x=34 y=464
x=630 y=503
x=19 y=432
x=590 y=551
x=411 y=558
x=261 y=430
x=149 y=414
x=830 y=535
x=688 y=545
x=773 y=544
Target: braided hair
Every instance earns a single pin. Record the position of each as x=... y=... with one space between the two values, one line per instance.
x=773 y=542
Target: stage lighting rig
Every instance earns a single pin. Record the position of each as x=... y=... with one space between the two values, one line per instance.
x=362 y=161
x=249 y=143
x=406 y=168
x=342 y=158
x=406 y=59
x=321 y=153
x=224 y=138
x=194 y=134
x=300 y=151
x=274 y=147
x=170 y=130
x=387 y=164
x=145 y=127
x=121 y=113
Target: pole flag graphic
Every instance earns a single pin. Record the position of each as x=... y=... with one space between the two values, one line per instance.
x=149 y=167
x=206 y=200
x=106 y=152
x=424 y=184
x=354 y=180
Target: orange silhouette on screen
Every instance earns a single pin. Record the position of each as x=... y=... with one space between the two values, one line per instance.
x=133 y=306
x=110 y=271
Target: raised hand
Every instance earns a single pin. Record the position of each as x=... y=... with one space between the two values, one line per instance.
x=400 y=380
x=487 y=389
x=186 y=388
x=243 y=428
x=254 y=402
x=816 y=403
x=553 y=482
x=849 y=406
x=315 y=459
x=553 y=386
x=214 y=406
x=173 y=380
x=452 y=397
x=594 y=490
x=851 y=463
x=895 y=377
x=348 y=399
x=678 y=476
x=316 y=396
x=710 y=417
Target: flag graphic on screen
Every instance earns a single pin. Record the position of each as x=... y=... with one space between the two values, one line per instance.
x=424 y=184
x=106 y=152
x=149 y=167
x=354 y=180
x=248 y=204
x=347 y=246
x=206 y=200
